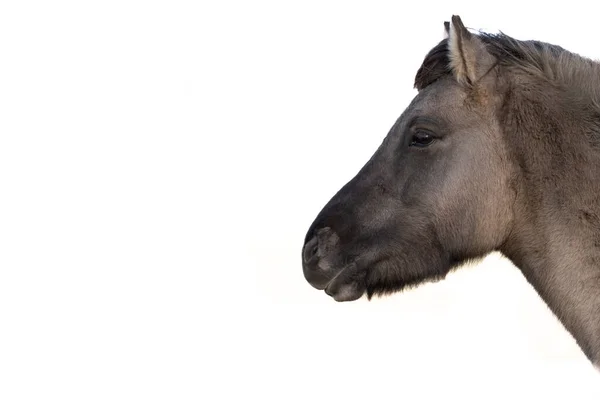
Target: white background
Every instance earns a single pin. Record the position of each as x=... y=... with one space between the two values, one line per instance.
x=160 y=163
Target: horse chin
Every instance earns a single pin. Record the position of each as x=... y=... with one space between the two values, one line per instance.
x=345 y=291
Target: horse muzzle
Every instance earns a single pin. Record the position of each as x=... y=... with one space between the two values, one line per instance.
x=319 y=256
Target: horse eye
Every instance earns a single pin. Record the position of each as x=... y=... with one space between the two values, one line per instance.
x=421 y=139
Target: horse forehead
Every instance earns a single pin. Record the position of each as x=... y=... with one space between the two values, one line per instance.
x=439 y=96
x=447 y=100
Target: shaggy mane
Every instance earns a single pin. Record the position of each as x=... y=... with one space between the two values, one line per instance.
x=544 y=60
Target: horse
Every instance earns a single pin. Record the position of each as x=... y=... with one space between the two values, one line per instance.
x=498 y=151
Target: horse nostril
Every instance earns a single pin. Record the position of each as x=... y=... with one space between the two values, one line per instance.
x=310 y=250
x=323 y=243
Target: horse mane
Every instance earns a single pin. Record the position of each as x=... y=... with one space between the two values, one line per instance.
x=546 y=61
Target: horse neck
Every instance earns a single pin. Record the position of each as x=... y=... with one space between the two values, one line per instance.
x=556 y=235
x=564 y=269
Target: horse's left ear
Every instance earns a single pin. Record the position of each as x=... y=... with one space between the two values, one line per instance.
x=469 y=58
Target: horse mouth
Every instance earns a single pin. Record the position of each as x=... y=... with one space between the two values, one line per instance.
x=322 y=269
x=341 y=290
x=347 y=292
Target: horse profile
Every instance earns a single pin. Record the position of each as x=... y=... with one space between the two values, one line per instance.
x=498 y=151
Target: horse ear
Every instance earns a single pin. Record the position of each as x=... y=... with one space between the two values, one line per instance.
x=446 y=29
x=469 y=58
